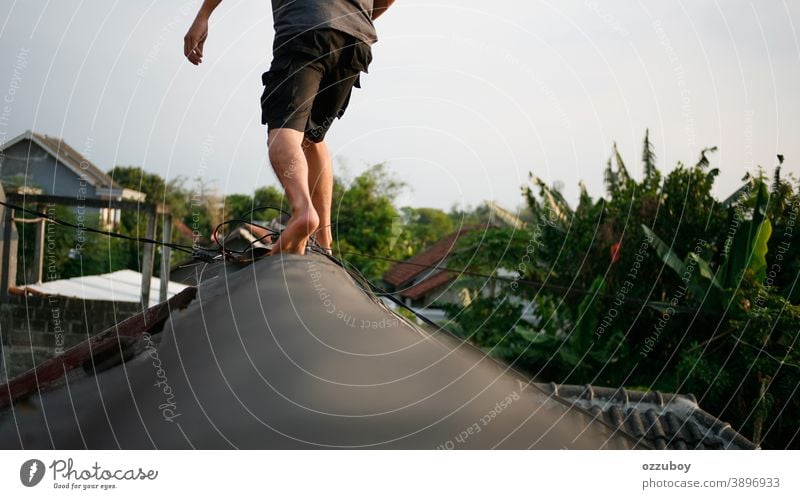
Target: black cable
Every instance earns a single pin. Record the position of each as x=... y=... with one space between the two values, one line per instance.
x=210 y=254
x=221 y=244
x=466 y=272
x=270 y=232
x=179 y=247
x=312 y=239
x=528 y=282
x=205 y=254
x=382 y=292
x=375 y=289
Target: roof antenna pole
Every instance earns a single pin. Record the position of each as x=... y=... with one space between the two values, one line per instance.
x=147 y=258
x=8 y=270
x=166 y=238
x=38 y=264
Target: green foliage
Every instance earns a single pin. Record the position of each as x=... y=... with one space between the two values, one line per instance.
x=486 y=252
x=469 y=216
x=236 y=206
x=501 y=339
x=659 y=285
x=425 y=226
x=263 y=205
x=747 y=249
x=366 y=222
x=269 y=196
x=135 y=177
x=69 y=252
x=171 y=194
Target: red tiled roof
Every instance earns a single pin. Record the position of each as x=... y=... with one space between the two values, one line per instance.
x=184 y=229
x=426 y=286
x=402 y=273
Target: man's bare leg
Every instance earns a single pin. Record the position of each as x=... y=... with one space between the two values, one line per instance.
x=320 y=182
x=289 y=162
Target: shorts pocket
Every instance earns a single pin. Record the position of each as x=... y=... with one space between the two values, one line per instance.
x=277 y=100
x=346 y=101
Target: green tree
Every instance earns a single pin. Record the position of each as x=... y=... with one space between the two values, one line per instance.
x=468 y=216
x=423 y=227
x=237 y=206
x=658 y=284
x=264 y=205
x=365 y=220
x=172 y=195
x=70 y=252
x=269 y=196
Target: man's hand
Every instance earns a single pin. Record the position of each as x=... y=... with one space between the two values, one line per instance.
x=198 y=32
x=194 y=40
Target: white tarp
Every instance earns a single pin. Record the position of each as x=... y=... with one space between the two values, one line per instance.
x=122 y=285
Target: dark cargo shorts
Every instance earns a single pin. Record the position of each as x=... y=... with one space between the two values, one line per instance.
x=310 y=80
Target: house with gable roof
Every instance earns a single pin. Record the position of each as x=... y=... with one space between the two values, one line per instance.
x=34 y=163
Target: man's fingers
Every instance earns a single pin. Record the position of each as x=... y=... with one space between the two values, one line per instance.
x=194 y=40
x=193 y=50
x=195 y=57
x=189 y=45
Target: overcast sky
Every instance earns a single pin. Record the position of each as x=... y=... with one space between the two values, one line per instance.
x=462 y=99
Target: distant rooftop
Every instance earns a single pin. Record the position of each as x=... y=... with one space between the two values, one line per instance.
x=416 y=272
x=78 y=163
x=122 y=285
x=70 y=157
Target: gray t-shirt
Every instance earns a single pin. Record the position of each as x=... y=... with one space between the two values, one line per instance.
x=351 y=16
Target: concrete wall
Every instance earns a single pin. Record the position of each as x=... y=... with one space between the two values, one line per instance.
x=33 y=329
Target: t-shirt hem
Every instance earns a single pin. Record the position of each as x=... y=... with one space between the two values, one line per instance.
x=366 y=38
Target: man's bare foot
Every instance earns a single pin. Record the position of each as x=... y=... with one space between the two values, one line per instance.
x=295 y=236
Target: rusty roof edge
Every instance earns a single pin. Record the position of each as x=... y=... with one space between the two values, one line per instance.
x=46 y=374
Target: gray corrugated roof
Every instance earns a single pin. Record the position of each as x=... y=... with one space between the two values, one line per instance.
x=294 y=354
x=290 y=352
x=662 y=420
